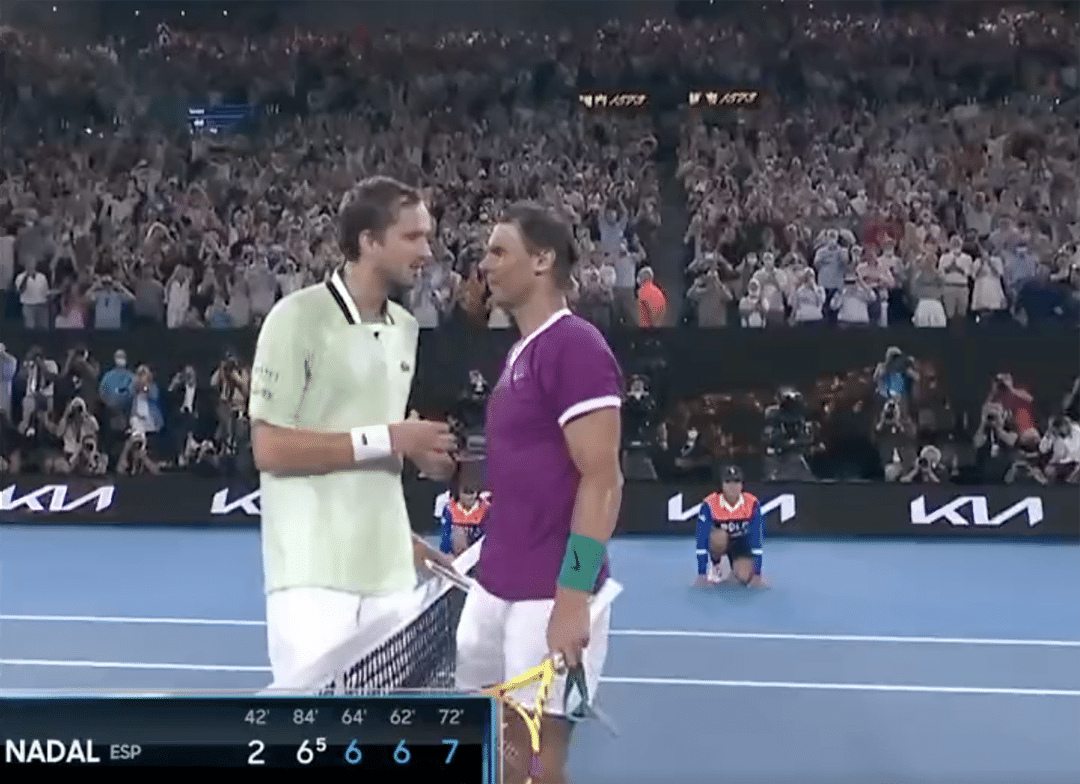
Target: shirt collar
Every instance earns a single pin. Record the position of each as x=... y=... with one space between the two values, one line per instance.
x=340 y=292
x=516 y=351
x=730 y=507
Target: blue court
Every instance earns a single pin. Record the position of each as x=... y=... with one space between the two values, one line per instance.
x=912 y=663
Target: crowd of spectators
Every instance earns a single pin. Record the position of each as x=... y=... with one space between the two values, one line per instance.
x=115 y=210
x=906 y=166
x=91 y=416
x=929 y=176
x=893 y=421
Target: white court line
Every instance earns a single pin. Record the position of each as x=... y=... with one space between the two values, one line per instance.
x=614 y=632
x=880 y=687
x=98 y=665
x=792 y=685
x=132 y=620
x=843 y=638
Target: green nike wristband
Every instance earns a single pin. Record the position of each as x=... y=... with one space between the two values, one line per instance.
x=582 y=563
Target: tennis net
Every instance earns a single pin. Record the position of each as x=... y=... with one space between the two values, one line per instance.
x=417 y=655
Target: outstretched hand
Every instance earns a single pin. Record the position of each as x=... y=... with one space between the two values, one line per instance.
x=435 y=461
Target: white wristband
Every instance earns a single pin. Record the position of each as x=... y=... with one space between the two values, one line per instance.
x=370 y=443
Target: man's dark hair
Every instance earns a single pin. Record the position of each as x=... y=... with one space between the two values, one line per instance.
x=372 y=205
x=544 y=230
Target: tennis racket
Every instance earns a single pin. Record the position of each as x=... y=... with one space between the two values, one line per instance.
x=543 y=675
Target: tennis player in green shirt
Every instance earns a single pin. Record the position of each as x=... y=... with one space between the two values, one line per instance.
x=329 y=392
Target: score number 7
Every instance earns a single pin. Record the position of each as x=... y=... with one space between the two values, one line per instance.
x=402 y=755
x=453 y=744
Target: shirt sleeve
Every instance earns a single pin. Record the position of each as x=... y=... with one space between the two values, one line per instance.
x=704 y=525
x=281 y=369
x=445 y=528
x=585 y=375
x=757 y=536
x=440 y=504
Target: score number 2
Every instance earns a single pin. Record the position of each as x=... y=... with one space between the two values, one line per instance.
x=305 y=755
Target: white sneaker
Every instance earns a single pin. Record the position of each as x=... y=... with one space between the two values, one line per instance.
x=715 y=573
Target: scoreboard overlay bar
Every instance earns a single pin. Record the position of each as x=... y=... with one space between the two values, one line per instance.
x=454 y=736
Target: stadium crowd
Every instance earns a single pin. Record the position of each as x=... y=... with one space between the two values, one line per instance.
x=892 y=421
x=927 y=175
x=905 y=166
x=881 y=182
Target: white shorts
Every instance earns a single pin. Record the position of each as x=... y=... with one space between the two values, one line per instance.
x=305 y=624
x=498 y=640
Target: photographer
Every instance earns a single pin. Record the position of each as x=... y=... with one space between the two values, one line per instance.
x=1027 y=467
x=994 y=441
x=76 y=425
x=89 y=460
x=895 y=376
x=146 y=415
x=109 y=297
x=787 y=436
x=40 y=448
x=37 y=376
x=894 y=436
x=80 y=376
x=190 y=409
x=199 y=457
x=231 y=383
x=929 y=468
x=1062 y=444
x=134 y=459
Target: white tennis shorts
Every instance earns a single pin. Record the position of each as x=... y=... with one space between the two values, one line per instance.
x=498 y=640
x=305 y=624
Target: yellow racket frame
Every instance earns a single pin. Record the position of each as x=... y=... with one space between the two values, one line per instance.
x=544 y=675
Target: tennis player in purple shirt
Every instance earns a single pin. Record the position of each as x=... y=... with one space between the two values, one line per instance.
x=553 y=426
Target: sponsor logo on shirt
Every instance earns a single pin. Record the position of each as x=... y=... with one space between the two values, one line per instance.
x=266 y=373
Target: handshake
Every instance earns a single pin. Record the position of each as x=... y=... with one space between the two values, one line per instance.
x=431 y=446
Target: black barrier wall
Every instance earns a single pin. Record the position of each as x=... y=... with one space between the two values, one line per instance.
x=801 y=510
x=697 y=361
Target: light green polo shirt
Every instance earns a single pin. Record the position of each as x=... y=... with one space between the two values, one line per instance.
x=317 y=367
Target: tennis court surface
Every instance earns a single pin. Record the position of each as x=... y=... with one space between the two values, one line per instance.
x=949 y=663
